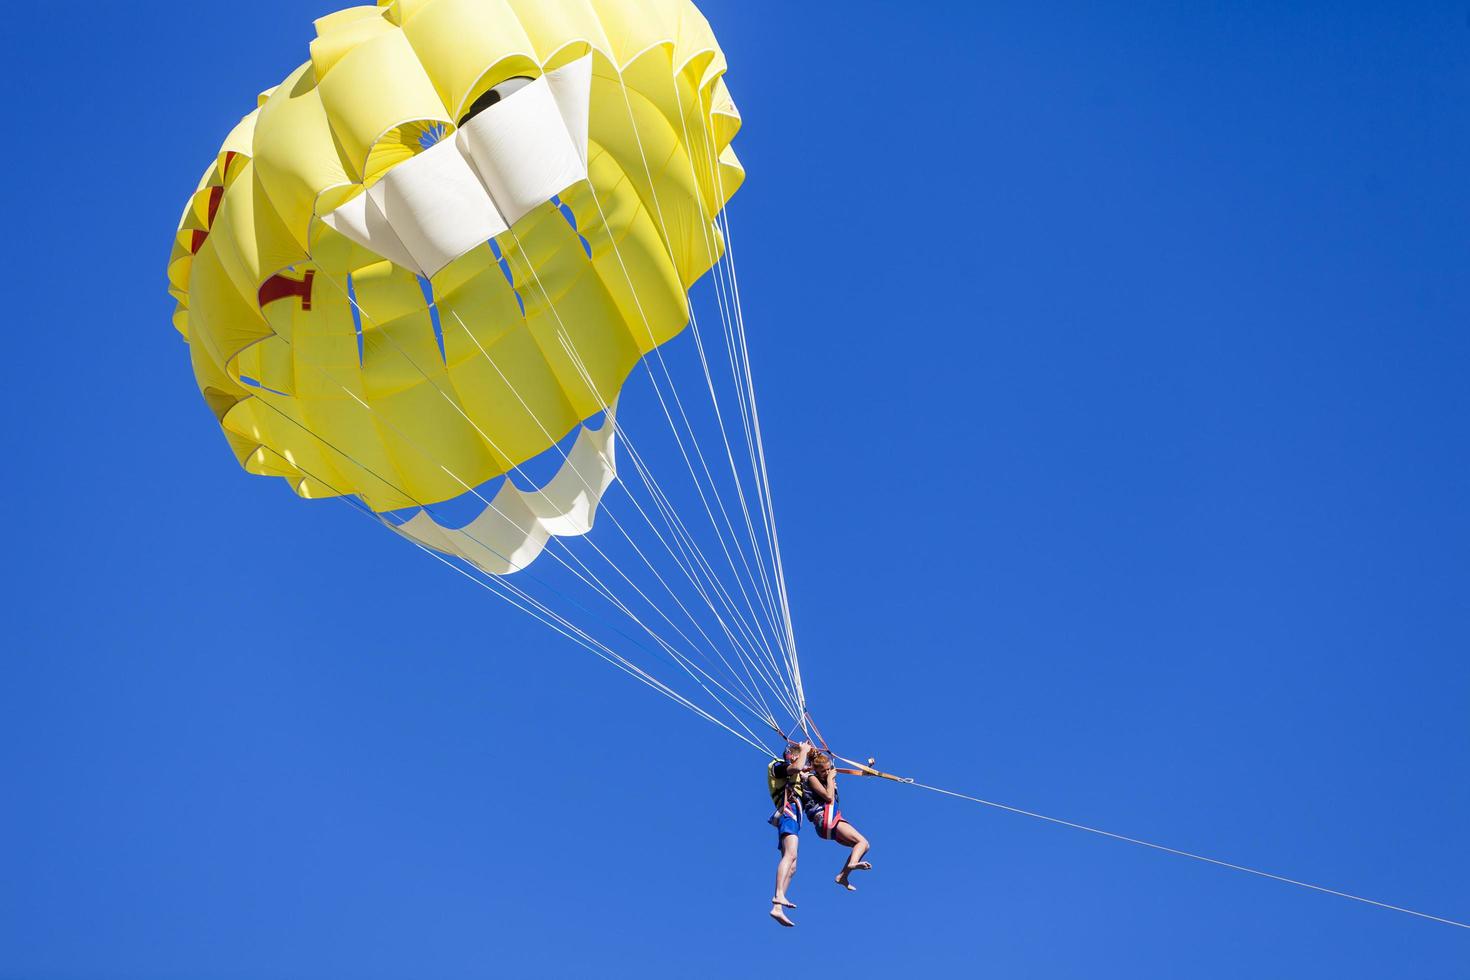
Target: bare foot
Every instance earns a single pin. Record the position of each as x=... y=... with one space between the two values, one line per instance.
x=779 y=915
x=782 y=901
x=841 y=878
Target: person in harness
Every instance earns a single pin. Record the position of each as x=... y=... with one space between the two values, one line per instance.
x=820 y=804
x=784 y=780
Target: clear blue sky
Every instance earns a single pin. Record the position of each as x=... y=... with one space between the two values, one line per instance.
x=1147 y=326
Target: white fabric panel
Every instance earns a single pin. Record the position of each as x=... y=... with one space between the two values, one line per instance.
x=514 y=530
x=361 y=220
x=509 y=159
x=522 y=149
x=437 y=206
x=571 y=87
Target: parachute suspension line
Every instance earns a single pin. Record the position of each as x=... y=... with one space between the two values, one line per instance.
x=658 y=210
x=564 y=545
x=744 y=385
x=544 y=614
x=763 y=482
x=674 y=656
x=664 y=227
x=563 y=626
x=735 y=615
x=772 y=617
x=565 y=339
x=764 y=584
x=551 y=304
x=783 y=688
x=485 y=437
x=677 y=527
x=515 y=597
x=559 y=623
x=768 y=605
x=722 y=303
x=734 y=538
x=1188 y=854
x=725 y=298
x=764 y=485
x=724 y=318
x=607 y=592
x=753 y=689
x=594 y=583
x=645 y=473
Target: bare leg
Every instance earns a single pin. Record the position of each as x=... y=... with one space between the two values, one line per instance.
x=784 y=872
x=847 y=835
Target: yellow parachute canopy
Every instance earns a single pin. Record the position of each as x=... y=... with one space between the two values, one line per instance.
x=445 y=240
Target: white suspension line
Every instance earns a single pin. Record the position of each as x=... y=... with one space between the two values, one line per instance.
x=628 y=446
x=777 y=686
x=658 y=209
x=677 y=529
x=754 y=690
x=598 y=587
x=667 y=511
x=789 y=634
x=484 y=436
x=755 y=417
x=564 y=338
x=683 y=451
x=564 y=545
x=723 y=304
x=565 y=627
x=550 y=618
x=673 y=428
x=677 y=659
x=769 y=599
x=762 y=483
x=658 y=393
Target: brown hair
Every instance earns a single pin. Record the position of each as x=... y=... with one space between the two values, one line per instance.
x=820 y=762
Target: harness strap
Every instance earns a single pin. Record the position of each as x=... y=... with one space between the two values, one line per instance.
x=868 y=770
x=859 y=769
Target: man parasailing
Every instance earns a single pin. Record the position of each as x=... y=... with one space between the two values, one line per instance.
x=784 y=780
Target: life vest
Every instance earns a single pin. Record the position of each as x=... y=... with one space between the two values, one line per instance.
x=780 y=786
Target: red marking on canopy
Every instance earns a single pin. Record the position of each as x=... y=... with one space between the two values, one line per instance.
x=281 y=286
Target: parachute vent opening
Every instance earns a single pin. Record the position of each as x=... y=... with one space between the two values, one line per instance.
x=253 y=383
x=427 y=288
x=356 y=315
x=571 y=219
x=509 y=275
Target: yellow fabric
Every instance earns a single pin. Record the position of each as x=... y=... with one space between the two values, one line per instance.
x=368 y=405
